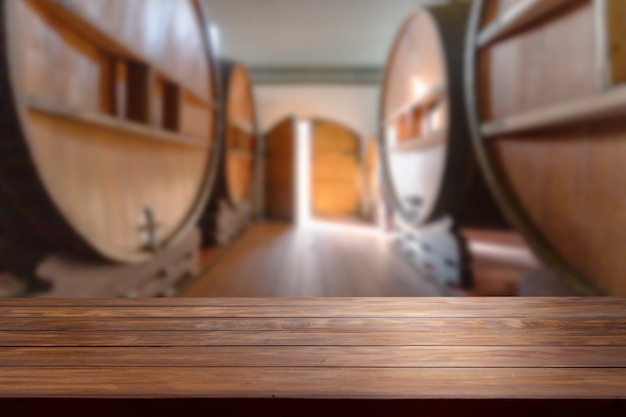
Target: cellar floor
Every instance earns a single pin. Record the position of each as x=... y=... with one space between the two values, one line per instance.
x=320 y=260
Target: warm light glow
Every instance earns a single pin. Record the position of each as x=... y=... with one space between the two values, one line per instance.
x=436 y=119
x=419 y=88
x=303 y=172
x=343 y=227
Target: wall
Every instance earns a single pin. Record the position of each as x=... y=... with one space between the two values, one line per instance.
x=356 y=106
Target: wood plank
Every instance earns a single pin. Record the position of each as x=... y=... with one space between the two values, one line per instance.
x=423 y=142
x=611 y=103
x=536 y=356
x=582 y=310
x=172 y=382
x=440 y=337
x=434 y=303
x=95 y=33
x=321 y=356
x=524 y=13
x=538 y=326
x=41 y=105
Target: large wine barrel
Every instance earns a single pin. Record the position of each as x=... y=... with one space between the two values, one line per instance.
x=229 y=207
x=241 y=133
x=428 y=166
x=547 y=103
x=107 y=122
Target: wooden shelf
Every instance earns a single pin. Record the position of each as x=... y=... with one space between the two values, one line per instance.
x=427 y=99
x=42 y=105
x=597 y=107
x=521 y=14
x=245 y=127
x=422 y=142
x=92 y=31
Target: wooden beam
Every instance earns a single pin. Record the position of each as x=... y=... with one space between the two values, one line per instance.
x=429 y=97
x=93 y=31
x=45 y=106
x=521 y=14
x=597 y=107
x=423 y=142
x=311 y=356
x=592 y=307
x=319 y=382
x=395 y=305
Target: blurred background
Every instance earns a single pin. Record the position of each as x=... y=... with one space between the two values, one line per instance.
x=291 y=148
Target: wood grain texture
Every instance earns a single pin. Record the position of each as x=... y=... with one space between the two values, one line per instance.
x=552 y=144
x=113 y=76
x=614 y=306
x=416 y=65
x=417 y=309
x=241 y=133
x=370 y=187
x=173 y=382
x=228 y=210
x=335 y=168
x=280 y=174
x=395 y=355
x=319 y=356
x=279 y=260
x=294 y=338
x=561 y=327
x=616 y=16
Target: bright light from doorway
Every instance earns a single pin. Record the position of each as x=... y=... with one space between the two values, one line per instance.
x=303 y=173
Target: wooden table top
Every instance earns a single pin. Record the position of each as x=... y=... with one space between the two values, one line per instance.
x=315 y=349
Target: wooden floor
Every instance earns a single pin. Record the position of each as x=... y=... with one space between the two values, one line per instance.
x=313 y=357
x=323 y=260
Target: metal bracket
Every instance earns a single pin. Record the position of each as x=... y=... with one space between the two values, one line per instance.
x=149 y=230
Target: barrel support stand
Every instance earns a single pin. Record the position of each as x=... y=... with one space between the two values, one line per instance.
x=72 y=276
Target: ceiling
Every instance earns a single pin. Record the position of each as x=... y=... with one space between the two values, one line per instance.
x=308 y=33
